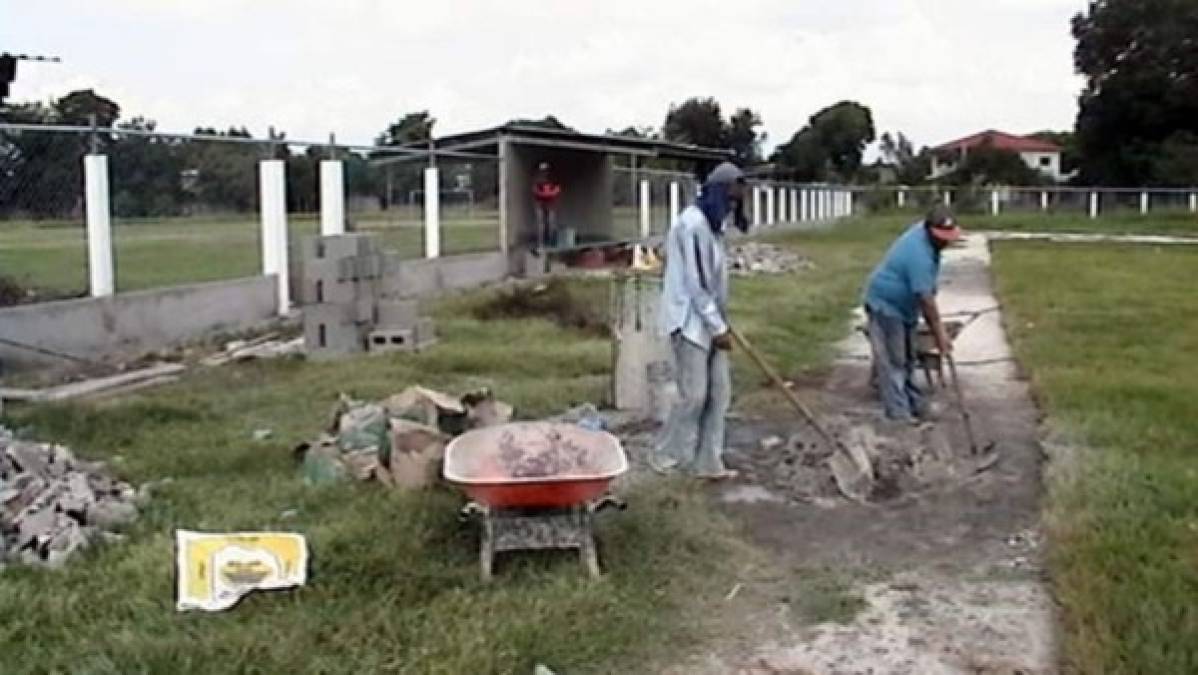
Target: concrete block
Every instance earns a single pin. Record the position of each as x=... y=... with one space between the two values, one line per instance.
x=337 y=247
x=361 y=267
x=397 y=314
x=365 y=309
x=399 y=340
x=332 y=330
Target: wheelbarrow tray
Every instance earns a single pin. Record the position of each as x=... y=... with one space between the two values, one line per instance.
x=537 y=465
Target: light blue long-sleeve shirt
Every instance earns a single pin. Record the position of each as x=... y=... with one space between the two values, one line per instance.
x=695 y=289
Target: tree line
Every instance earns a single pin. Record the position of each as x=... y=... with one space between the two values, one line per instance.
x=1137 y=125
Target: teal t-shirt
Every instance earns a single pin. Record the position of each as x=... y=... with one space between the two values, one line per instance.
x=907 y=273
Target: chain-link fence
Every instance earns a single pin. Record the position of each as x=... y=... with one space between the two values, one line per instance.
x=185 y=207
x=1049 y=200
x=43 y=247
x=663 y=190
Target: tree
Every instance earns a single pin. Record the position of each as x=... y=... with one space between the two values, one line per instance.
x=1139 y=110
x=743 y=138
x=910 y=167
x=146 y=173
x=226 y=173
x=77 y=107
x=546 y=122
x=830 y=147
x=696 y=122
x=412 y=128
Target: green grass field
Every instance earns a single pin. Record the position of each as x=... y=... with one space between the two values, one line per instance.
x=166 y=252
x=394 y=582
x=1109 y=335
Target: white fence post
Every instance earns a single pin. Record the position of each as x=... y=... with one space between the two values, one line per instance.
x=782 y=205
x=804 y=205
x=848 y=204
x=272 y=191
x=1143 y=203
x=948 y=198
x=771 y=206
x=99 y=225
x=332 y=197
x=646 y=222
x=756 y=205
x=994 y=202
x=1044 y=200
x=432 y=212
x=902 y=198
x=1194 y=202
x=675 y=200
x=794 y=205
x=1093 y=205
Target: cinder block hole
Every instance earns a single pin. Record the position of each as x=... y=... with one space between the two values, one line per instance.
x=319 y=248
x=397 y=340
x=323 y=338
x=379 y=339
x=319 y=291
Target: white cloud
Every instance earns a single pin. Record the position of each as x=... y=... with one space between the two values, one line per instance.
x=930 y=68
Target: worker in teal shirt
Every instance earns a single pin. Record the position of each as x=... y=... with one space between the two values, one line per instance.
x=900 y=289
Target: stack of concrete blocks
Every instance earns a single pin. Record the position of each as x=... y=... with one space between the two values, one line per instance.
x=349 y=288
x=644 y=366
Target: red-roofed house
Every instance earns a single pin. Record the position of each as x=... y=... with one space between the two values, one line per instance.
x=1041 y=155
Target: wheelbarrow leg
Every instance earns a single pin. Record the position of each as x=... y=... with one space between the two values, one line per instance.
x=586 y=549
x=486 y=551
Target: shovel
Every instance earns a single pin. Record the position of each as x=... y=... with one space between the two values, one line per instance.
x=850 y=465
x=966 y=419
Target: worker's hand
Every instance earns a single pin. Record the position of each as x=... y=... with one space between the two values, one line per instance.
x=944 y=344
x=723 y=341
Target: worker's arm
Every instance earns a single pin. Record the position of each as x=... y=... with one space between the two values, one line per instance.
x=931 y=314
x=699 y=275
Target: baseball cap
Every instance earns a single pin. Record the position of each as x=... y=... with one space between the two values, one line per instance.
x=943 y=224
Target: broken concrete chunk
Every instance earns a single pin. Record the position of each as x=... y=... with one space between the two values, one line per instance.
x=111 y=514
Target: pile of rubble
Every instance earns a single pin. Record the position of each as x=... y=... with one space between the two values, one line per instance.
x=751 y=258
x=903 y=459
x=53 y=504
x=399 y=441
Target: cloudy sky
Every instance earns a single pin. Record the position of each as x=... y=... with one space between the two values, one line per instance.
x=934 y=69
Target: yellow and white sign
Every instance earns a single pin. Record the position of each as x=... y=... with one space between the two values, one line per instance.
x=216 y=570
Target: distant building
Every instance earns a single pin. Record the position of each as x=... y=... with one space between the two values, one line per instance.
x=1042 y=156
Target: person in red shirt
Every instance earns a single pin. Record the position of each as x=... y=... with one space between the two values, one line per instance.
x=545 y=193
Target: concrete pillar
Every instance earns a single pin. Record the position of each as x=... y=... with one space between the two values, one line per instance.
x=675 y=202
x=782 y=205
x=332 y=197
x=1194 y=202
x=994 y=202
x=432 y=212
x=1093 y=204
x=902 y=198
x=272 y=197
x=848 y=204
x=756 y=205
x=646 y=222
x=770 y=215
x=1044 y=200
x=99 y=226
x=804 y=205
x=948 y=198
x=1143 y=203
x=794 y=205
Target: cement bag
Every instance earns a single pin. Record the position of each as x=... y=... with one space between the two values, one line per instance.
x=216 y=570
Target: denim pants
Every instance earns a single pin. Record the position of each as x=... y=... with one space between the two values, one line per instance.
x=892 y=344
x=546 y=224
x=693 y=438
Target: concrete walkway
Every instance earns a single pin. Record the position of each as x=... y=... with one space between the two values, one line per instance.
x=951 y=578
x=1089 y=238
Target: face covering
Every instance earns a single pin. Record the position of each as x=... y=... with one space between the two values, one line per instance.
x=718 y=207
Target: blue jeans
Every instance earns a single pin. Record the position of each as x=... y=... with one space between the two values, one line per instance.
x=892 y=344
x=693 y=438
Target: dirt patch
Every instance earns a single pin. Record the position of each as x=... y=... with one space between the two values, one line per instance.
x=555 y=300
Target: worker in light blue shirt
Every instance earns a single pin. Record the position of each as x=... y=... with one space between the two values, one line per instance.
x=694 y=307
x=901 y=288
